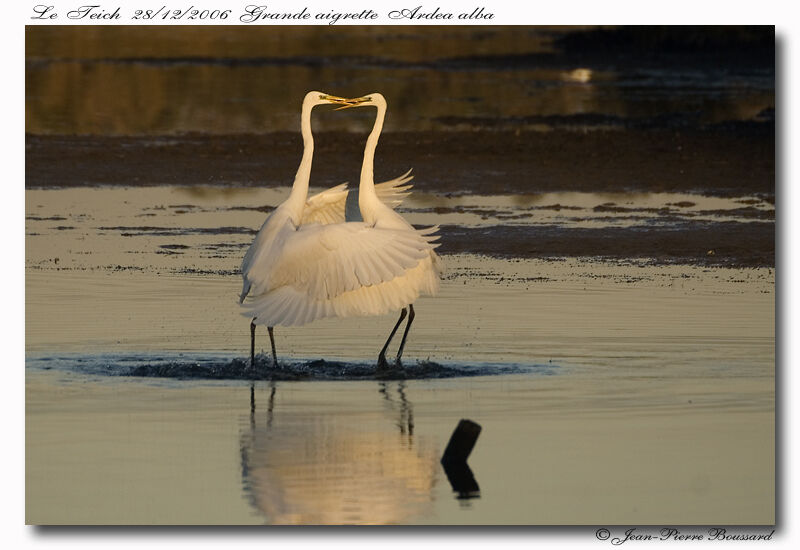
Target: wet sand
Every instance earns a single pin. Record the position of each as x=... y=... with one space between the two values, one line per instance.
x=713 y=162
x=615 y=171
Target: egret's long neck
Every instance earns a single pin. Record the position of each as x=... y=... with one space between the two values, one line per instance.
x=297 y=197
x=367 y=198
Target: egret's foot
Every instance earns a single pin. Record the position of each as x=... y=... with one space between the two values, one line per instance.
x=251 y=372
x=382 y=364
x=398 y=364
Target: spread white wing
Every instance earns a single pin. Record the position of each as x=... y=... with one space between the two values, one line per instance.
x=289 y=306
x=342 y=269
x=327 y=260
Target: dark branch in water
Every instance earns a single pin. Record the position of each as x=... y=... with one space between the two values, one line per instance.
x=454 y=459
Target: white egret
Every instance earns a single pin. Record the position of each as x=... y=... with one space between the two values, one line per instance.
x=270 y=268
x=422 y=278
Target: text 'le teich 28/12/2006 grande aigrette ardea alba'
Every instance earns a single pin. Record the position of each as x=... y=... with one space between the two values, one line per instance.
x=308 y=262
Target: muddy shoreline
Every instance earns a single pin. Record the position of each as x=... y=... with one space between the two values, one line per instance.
x=715 y=244
x=713 y=161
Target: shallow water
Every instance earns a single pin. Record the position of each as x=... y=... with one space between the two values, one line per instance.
x=566 y=449
x=606 y=201
x=625 y=391
x=207 y=229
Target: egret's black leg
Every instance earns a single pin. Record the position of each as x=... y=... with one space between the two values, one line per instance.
x=382 y=354
x=405 y=334
x=252 y=344
x=272 y=343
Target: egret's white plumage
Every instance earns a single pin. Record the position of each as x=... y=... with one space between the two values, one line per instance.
x=307 y=262
x=402 y=291
x=323 y=262
x=329 y=206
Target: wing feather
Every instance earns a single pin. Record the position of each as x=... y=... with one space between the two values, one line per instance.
x=328 y=206
x=360 y=256
x=328 y=267
x=283 y=305
x=393 y=192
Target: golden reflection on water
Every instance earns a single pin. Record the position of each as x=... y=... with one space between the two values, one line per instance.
x=133 y=81
x=132 y=99
x=607 y=444
x=110 y=81
x=313 y=470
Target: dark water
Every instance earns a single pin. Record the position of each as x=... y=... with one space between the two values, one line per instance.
x=233 y=80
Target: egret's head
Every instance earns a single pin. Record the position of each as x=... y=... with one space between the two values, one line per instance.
x=370 y=100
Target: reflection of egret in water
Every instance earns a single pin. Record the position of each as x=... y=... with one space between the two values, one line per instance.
x=458 y=472
x=405 y=420
x=270 y=404
x=318 y=469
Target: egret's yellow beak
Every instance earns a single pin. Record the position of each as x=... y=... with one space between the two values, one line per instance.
x=333 y=99
x=353 y=102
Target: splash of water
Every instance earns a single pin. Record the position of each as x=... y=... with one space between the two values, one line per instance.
x=222 y=367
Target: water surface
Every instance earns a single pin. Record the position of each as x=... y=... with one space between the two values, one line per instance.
x=609 y=391
x=606 y=202
x=132 y=80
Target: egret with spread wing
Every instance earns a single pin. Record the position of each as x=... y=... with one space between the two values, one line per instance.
x=269 y=246
x=423 y=278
